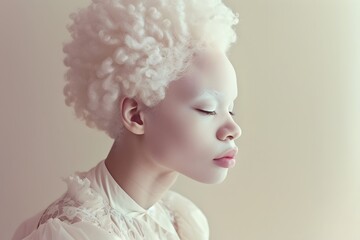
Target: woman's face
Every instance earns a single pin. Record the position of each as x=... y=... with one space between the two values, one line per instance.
x=194 y=125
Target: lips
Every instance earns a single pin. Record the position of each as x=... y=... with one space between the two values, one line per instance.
x=226 y=159
x=228 y=154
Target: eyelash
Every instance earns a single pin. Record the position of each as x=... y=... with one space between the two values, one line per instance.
x=212 y=112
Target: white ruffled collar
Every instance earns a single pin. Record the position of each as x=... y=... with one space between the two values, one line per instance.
x=103 y=183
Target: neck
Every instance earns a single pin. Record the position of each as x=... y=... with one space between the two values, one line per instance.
x=137 y=174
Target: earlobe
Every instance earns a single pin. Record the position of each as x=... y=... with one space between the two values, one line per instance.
x=132 y=116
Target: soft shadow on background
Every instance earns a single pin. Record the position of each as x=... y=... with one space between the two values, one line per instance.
x=297 y=175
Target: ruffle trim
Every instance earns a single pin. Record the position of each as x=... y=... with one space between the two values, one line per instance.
x=81 y=203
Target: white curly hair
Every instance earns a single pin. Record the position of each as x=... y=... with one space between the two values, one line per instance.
x=135 y=48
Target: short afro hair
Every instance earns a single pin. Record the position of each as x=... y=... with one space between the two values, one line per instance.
x=135 y=48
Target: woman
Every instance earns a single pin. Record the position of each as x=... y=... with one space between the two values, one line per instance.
x=155 y=77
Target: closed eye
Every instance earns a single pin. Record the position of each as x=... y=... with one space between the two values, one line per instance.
x=207 y=112
x=212 y=112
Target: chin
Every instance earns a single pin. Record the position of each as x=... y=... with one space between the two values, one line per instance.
x=214 y=178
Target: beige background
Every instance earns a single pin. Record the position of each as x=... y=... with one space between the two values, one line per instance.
x=297 y=175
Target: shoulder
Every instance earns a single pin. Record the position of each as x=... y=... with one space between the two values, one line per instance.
x=190 y=221
x=80 y=203
x=80 y=213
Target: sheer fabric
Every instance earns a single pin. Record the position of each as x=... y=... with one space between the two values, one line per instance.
x=95 y=207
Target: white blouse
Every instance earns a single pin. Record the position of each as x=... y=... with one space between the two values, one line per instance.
x=95 y=207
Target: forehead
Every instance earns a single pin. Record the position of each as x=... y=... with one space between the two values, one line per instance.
x=211 y=76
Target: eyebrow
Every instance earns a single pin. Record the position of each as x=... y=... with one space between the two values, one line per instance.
x=211 y=92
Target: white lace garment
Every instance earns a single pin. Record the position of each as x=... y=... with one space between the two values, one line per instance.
x=95 y=207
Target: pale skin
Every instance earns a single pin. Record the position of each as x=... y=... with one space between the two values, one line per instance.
x=182 y=134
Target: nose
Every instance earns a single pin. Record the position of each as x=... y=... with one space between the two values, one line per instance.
x=229 y=131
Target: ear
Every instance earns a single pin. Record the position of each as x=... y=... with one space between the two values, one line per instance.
x=132 y=116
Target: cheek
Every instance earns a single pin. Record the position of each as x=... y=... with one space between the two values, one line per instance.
x=187 y=140
x=174 y=135
x=162 y=132
x=177 y=131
